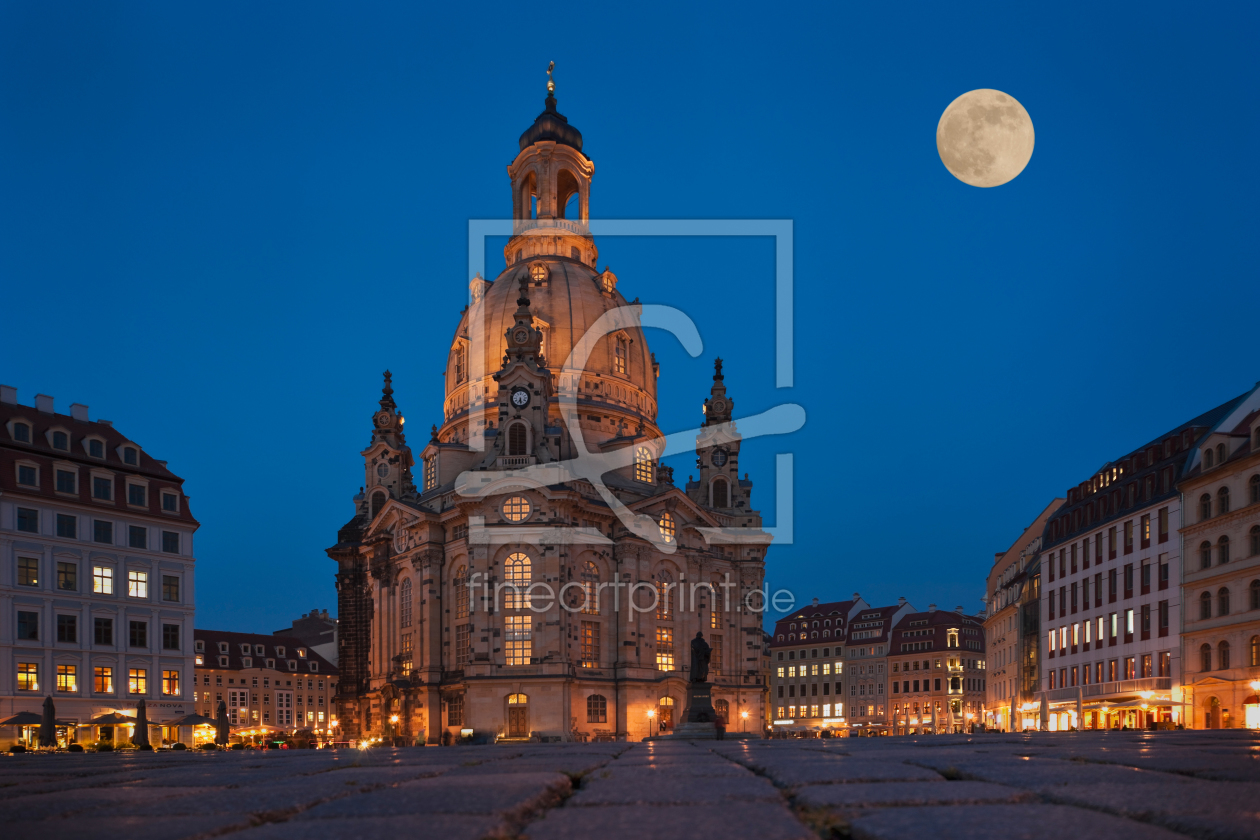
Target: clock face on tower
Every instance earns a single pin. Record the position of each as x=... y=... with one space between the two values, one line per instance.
x=520 y=397
x=382 y=418
x=719 y=457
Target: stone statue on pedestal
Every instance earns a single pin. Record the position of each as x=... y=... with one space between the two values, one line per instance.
x=700 y=655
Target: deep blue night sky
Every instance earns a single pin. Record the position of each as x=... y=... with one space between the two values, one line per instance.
x=220 y=222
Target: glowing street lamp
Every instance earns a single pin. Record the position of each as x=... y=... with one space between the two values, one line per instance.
x=1255 y=685
x=743 y=725
x=393 y=718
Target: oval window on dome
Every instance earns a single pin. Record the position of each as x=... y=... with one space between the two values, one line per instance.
x=538 y=272
x=516 y=509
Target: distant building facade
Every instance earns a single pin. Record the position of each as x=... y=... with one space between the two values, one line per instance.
x=937 y=672
x=1221 y=591
x=1006 y=632
x=270 y=684
x=1111 y=606
x=96 y=568
x=317 y=631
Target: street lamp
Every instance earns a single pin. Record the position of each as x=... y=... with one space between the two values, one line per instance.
x=743 y=725
x=1255 y=685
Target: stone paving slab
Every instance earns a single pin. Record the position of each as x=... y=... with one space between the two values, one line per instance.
x=1200 y=785
x=883 y=794
x=1000 y=822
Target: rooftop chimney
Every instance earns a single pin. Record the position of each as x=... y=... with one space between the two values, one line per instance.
x=106 y=422
x=958 y=609
x=856 y=596
x=79 y=411
x=931 y=608
x=8 y=394
x=901 y=602
x=44 y=403
x=815 y=602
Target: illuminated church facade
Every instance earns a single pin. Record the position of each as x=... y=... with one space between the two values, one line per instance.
x=485 y=589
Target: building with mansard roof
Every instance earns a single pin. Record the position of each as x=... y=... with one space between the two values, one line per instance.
x=492 y=583
x=937 y=672
x=1111 y=607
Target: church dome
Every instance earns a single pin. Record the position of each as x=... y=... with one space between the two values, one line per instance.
x=566 y=298
x=552 y=125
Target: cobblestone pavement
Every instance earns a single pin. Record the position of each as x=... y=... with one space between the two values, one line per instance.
x=1117 y=785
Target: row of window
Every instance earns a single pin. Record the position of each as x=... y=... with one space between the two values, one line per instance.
x=66 y=481
x=28 y=679
x=1111 y=670
x=1223 y=655
x=1064 y=561
x=1222 y=600
x=28 y=630
x=59 y=439
x=102 y=579
x=1222 y=549
x=103 y=531
x=811 y=711
x=1083 y=634
x=1065 y=598
x=247 y=649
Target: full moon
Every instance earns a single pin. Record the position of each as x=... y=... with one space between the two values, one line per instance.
x=985 y=138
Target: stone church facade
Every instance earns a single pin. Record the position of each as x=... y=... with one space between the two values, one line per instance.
x=497 y=583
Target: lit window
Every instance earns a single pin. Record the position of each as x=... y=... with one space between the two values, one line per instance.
x=642 y=464
x=590 y=644
x=28 y=571
x=590 y=588
x=667 y=527
x=138 y=681
x=67 y=678
x=596 y=709
x=621 y=353
x=538 y=272
x=461 y=592
x=28 y=676
x=102 y=580
x=518 y=644
x=103 y=680
x=138 y=584
x=516 y=509
x=664 y=648
x=517 y=577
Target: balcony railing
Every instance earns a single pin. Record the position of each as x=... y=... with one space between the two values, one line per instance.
x=1109 y=688
x=510 y=462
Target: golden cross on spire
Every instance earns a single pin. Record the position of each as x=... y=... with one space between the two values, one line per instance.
x=551 y=84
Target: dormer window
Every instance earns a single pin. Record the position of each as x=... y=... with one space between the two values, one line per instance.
x=301 y=653
x=271 y=664
x=622 y=353
x=314 y=666
x=96 y=448
x=21 y=433
x=292 y=664
x=223 y=661
x=170 y=502
x=199 y=646
x=259 y=650
x=244 y=649
x=131 y=455
x=223 y=647
x=247 y=662
x=61 y=440
x=280 y=651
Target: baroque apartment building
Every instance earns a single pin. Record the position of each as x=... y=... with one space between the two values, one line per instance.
x=1221 y=588
x=1011 y=627
x=269 y=683
x=488 y=589
x=829 y=668
x=96 y=568
x=937 y=672
x=1111 y=606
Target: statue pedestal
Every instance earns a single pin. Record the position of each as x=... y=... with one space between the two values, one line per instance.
x=698 y=721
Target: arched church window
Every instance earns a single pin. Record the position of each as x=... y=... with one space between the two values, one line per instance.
x=461 y=592
x=404 y=603
x=721 y=493
x=590 y=586
x=664 y=595
x=621 y=352
x=516 y=573
x=538 y=272
x=516 y=439
x=430 y=472
x=460 y=371
x=596 y=709
x=516 y=509
x=668 y=529
x=643 y=464
x=378 y=502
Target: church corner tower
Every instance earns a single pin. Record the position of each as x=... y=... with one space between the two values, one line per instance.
x=434 y=640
